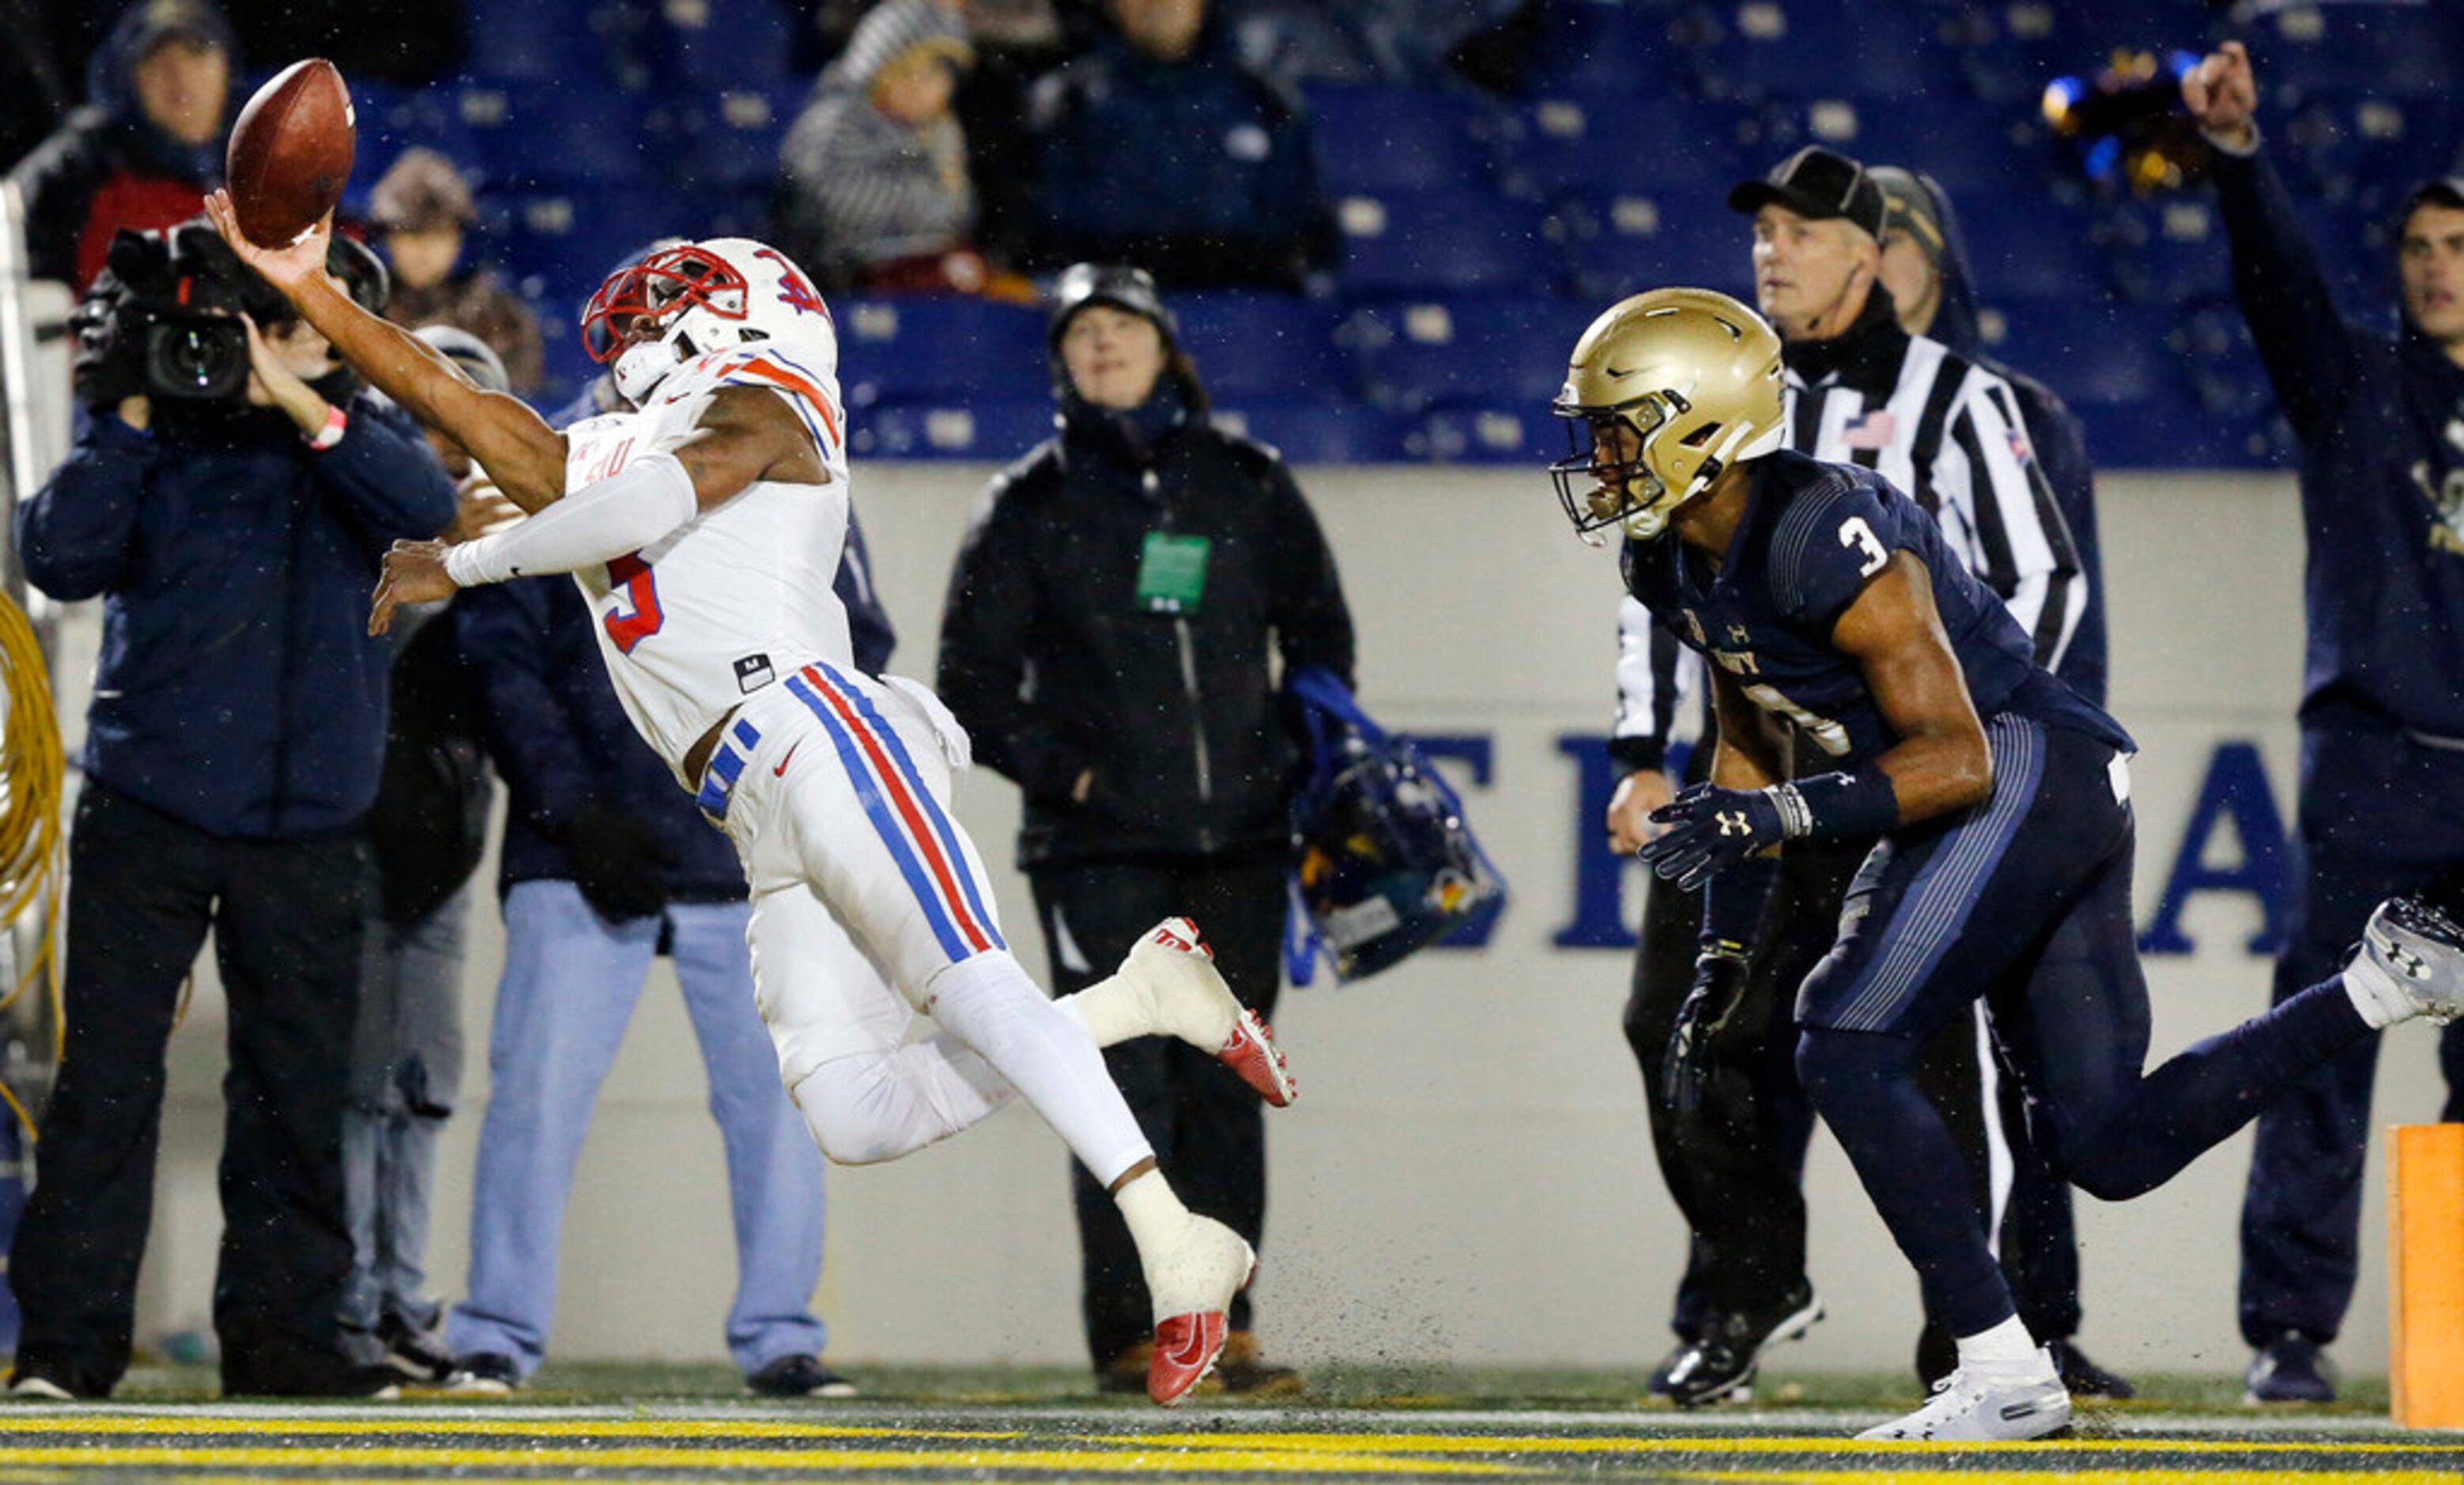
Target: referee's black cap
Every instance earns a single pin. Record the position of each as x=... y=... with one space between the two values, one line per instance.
x=1816 y=182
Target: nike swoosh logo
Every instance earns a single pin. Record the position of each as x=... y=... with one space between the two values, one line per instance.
x=781 y=772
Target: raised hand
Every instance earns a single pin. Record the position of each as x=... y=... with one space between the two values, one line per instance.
x=2222 y=93
x=414 y=572
x=286 y=268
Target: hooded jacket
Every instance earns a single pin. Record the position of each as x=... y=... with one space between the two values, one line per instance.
x=2381 y=420
x=1056 y=666
x=239 y=690
x=2053 y=430
x=110 y=166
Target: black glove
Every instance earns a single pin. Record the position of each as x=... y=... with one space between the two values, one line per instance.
x=619 y=865
x=1719 y=984
x=1710 y=829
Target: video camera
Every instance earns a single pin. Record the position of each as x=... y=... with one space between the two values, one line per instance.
x=161 y=319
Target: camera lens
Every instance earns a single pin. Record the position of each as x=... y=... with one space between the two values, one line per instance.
x=204 y=356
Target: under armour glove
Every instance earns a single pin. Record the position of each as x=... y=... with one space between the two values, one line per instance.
x=1710 y=829
x=619 y=865
x=1719 y=984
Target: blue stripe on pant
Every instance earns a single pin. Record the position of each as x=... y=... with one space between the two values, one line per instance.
x=570 y=985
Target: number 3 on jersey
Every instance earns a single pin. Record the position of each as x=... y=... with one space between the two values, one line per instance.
x=637 y=615
x=1855 y=533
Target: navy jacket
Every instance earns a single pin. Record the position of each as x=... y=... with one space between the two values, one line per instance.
x=1200 y=172
x=561 y=741
x=239 y=690
x=2381 y=420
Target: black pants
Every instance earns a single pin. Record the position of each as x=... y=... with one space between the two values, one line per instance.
x=1207 y=1125
x=1736 y=1166
x=286 y=918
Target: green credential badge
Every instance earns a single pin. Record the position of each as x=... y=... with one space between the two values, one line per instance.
x=1172 y=573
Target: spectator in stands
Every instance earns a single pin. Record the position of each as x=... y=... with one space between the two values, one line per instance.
x=422 y=211
x=876 y=194
x=1734 y=1162
x=1926 y=267
x=1159 y=146
x=144 y=148
x=2382 y=792
x=426 y=835
x=232 y=752
x=1107 y=643
x=605 y=865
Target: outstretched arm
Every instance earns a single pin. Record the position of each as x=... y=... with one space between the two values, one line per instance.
x=513 y=443
x=743 y=434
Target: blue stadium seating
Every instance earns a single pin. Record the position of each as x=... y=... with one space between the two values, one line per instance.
x=1410 y=356
x=723 y=140
x=567 y=240
x=528 y=135
x=991 y=428
x=2093 y=354
x=2392 y=48
x=1646 y=140
x=1519 y=433
x=1606 y=44
x=1620 y=243
x=939 y=351
x=1444 y=241
x=1815 y=48
x=1379 y=140
x=1317 y=433
x=2023 y=249
x=1262 y=346
x=714 y=44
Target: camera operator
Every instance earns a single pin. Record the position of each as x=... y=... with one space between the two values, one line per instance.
x=230 y=494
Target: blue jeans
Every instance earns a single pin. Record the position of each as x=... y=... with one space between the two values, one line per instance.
x=406 y=1074
x=570 y=985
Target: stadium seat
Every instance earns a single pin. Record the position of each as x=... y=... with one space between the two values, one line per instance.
x=2022 y=248
x=1646 y=140
x=724 y=140
x=1260 y=347
x=1620 y=243
x=2391 y=49
x=2172 y=253
x=1378 y=140
x=538 y=40
x=2095 y=354
x=1410 y=356
x=568 y=240
x=1605 y=44
x=1809 y=48
x=1442 y=242
x=528 y=135
x=1524 y=434
x=936 y=350
x=1317 y=433
x=714 y=44
x=995 y=430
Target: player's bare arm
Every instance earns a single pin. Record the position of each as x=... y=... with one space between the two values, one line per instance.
x=743 y=436
x=521 y=453
x=1940 y=762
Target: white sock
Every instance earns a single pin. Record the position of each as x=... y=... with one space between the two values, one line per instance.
x=2375 y=994
x=1152 y=1211
x=994 y=1009
x=2002 y=1346
x=1114 y=1009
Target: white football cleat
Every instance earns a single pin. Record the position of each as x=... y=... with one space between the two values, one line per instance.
x=2411 y=960
x=1193 y=1283
x=1176 y=972
x=1988 y=1402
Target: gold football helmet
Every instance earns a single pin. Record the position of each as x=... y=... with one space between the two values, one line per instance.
x=1665 y=389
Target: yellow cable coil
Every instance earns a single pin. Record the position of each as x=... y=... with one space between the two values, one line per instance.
x=33 y=844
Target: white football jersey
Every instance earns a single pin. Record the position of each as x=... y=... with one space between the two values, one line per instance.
x=738 y=597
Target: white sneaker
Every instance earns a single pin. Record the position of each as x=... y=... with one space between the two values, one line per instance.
x=1176 y=972
x=1193 y=1283
x=43 y=1388
x=2411 y=960
x=1988 y=1402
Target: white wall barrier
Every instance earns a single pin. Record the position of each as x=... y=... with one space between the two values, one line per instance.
x=1467 y=1178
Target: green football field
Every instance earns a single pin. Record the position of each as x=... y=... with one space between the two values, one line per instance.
x=677 y=1423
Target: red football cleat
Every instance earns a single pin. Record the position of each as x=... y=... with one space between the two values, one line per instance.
x=1194 y=1283
x=1250 y=1050
x=1187 y=998
x=1186 y=1348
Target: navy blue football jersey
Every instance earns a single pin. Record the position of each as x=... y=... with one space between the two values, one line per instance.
x=1812 y=535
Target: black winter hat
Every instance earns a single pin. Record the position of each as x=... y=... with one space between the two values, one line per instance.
x=1116 y=284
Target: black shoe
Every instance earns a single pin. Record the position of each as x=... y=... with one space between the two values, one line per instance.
x=374 y=1381
x=1723 y=1364
x=39 y=1384
x=486 y=1372
x=415 y=1353
x=2083 y=1377
x=2288 y=1369
x=798 y=1375
x=1658 y=1386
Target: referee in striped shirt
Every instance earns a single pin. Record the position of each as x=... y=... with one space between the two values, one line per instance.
x=1861 y=390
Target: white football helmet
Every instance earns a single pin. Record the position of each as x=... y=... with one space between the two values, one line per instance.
x=697 y=297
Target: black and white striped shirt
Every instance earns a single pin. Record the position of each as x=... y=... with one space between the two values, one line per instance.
x=1946 y=432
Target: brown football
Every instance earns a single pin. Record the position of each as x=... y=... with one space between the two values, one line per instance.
x=290 y=152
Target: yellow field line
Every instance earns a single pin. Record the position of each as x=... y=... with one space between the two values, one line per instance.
x=1149 y=1460
x=1868 y=1476
x=1504 y=1444
x=447 y=1423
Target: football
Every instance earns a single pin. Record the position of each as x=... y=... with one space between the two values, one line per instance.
x=290 y=153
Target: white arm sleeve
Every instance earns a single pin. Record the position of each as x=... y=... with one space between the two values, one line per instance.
x=622 y=513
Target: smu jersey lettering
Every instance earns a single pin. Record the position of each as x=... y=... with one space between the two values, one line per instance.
x=738 y=596
x=1812 y=535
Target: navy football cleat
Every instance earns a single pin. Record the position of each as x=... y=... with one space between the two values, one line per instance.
x=2415 y=951
x=2288 y=1369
